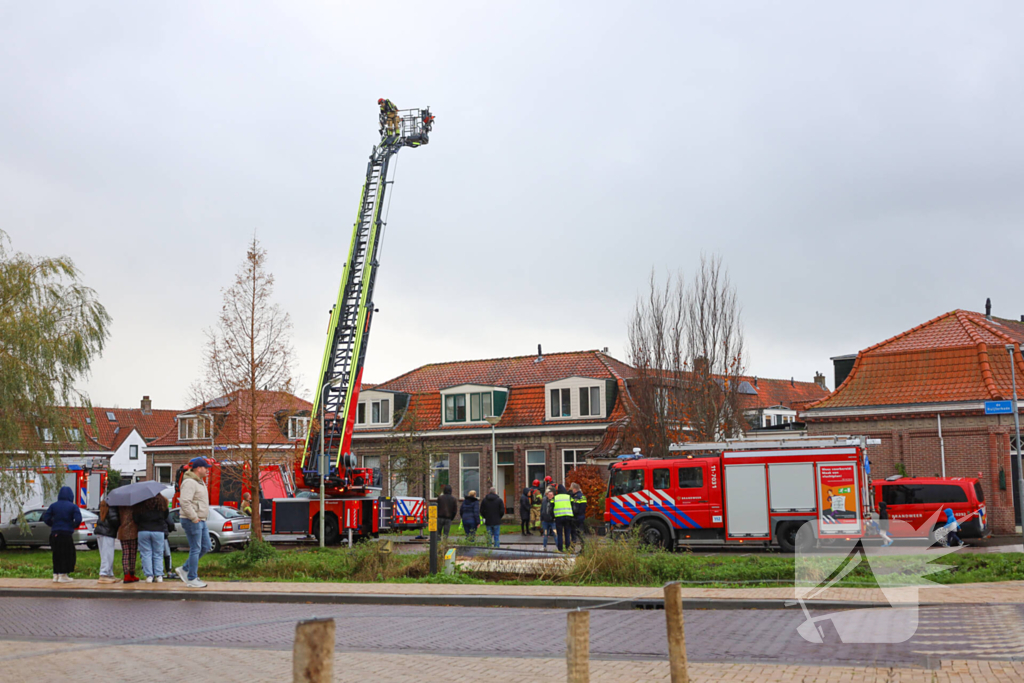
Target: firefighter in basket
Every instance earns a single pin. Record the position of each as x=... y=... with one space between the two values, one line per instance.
x=389 y=121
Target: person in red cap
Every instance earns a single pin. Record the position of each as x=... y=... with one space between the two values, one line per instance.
x=388 y=116
x=536 y=498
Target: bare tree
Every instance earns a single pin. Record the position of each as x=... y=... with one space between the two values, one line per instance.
x=249 y=352
x=407 y=458
x=686 y=347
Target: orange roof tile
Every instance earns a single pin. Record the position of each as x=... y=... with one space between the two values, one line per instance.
x=233 y=426
x=958 y=356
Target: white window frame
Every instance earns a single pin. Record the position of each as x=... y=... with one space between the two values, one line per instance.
x=74 y=434
x=374 y=412
x=556 y=391
x=485 y=399
x=577 y=459
x=527 y=463
x=464 y=468
x=590 y=401
x=436 y=459
x=293 y=422
x=170 y=472
x=45 y=433
x=198 y=433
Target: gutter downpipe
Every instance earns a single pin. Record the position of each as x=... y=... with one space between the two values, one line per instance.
x=942 y=446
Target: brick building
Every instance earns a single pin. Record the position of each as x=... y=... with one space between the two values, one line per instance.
x=219 y=428
x=922 y=393
x=552 y=410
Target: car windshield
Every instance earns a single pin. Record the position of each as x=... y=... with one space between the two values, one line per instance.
x=228 y=513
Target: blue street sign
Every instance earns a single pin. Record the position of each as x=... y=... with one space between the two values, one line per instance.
x=998 y=407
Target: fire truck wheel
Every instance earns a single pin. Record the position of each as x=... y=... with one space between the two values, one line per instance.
x=654 y=533
x=331 y=535
x=788 y=535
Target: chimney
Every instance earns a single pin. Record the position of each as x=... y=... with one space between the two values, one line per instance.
x=988 y=309
x=819 y=379
x=791 y=382
x=146 y=405
x=540 y=355
x=755 y=381
x=605 y=349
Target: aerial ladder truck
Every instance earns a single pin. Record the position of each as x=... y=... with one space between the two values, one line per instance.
x=353 y=504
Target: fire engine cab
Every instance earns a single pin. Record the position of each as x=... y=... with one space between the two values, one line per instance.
x=742 y=492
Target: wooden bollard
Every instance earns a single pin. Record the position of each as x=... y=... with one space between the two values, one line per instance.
x=313 y=652
x=676 y=638
x=577 y=647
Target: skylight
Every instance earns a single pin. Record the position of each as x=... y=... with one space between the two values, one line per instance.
x=110 y=416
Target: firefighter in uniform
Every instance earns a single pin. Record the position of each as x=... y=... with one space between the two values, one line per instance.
x=536 y=498
x=579 y=510
x=563 y=519
x=388 y=116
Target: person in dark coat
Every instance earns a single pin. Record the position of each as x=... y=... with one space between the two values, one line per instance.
x=63 y=517
x=469 y=513
x=447 y=506
x=524 y=513
x=547 y=516
x=492 y=509
x=151 y=520
x=106 y=537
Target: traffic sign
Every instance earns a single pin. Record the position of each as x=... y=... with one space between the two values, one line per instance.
x=432 y=518
x=998 y=407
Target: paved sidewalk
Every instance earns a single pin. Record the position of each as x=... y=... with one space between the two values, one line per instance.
x=966 y=593
x=42 y=663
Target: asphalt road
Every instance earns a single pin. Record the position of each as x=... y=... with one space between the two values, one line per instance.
x=964 y=632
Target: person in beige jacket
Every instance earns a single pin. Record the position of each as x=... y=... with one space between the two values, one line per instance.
x=194 y=500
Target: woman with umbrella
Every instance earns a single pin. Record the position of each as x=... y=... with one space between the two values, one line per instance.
x=125 y=498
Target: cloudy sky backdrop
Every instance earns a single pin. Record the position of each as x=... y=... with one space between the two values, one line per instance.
x=858 y=168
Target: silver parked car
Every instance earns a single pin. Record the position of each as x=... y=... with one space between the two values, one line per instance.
x=38 y=534
x=227 y=526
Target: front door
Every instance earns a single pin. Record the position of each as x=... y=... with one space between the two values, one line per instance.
x=691 y=494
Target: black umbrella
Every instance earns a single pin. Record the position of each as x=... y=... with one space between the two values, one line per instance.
x=132 y=494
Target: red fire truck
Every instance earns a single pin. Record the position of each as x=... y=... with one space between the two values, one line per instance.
x=742 y=492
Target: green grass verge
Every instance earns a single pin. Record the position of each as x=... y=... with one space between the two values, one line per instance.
x=605 y=564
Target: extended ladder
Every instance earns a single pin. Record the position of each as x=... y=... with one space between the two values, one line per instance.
x=341 y=372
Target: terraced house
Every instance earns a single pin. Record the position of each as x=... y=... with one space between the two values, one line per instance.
x=923 y=393
x=548 y=411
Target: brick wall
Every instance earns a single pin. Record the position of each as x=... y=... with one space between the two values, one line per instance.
x=975 y=446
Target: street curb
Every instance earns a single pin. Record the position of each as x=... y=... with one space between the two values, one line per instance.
x=513 y=601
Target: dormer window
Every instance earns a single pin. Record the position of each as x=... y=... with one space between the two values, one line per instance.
x=578 y=398
x=297 y=427
x=471 y=403
x=191 y=428
x=375 y=409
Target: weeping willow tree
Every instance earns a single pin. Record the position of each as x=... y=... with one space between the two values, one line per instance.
x=51 y=329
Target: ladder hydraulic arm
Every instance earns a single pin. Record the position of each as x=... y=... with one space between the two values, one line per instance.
x=341 y=373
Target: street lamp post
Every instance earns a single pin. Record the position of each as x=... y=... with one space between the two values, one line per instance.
x=1016 y=425
x=494 y=420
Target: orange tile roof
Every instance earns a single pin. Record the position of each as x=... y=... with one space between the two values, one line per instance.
x=779 y=392
x=958 y=356
x=233 y=426
x=525 y=377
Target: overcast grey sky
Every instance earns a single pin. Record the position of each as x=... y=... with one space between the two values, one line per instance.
x=858 y=167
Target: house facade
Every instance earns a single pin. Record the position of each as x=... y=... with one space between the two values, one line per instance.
x=922 y=393
x=548 y=412
x=220 y=429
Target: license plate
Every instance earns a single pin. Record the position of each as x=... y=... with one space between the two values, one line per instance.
x=243 y=527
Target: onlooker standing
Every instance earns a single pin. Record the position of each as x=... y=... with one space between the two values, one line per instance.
x=106 y=535
x=63 y=517
x=525 y=505
x=151 y=520
x=563 y=519
x=447 y=506
x=195 y=508
x=492 y=509
x=469 y=513
x=128 y=534
x=547 y=516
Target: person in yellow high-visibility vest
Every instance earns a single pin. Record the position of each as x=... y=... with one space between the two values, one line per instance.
x=563 y=519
